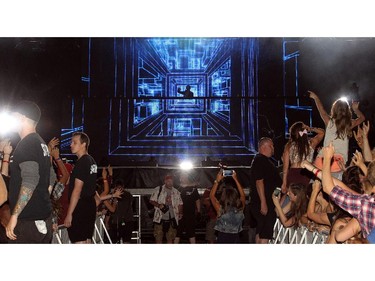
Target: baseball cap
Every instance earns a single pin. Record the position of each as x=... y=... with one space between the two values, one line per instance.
x=168 y=177
x=29 y=109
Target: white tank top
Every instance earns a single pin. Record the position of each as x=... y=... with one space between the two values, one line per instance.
x=341 y=145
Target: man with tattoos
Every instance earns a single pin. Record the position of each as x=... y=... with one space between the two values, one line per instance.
x=31 y=176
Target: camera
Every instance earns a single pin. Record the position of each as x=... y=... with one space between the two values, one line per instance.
x=164 y=209
x=277 y=191
x=227 y=173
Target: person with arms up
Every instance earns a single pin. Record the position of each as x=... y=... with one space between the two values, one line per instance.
x=360 y=206
x=121 y=221
x=339 y=124
x=298 y=148
x=229 y=208
x=187 y=93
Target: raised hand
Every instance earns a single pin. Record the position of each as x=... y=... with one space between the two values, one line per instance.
x=7 y=148
x=118 y=192
x=3 y=143
x=355 y=105
x=359 y=137
x=312 y=95
x=53 y=143
x=104 y=173
x=365 y=129
x=234 y=175
x=219 y=175
x=357 y=159
x=110 y=170
x=316 y=186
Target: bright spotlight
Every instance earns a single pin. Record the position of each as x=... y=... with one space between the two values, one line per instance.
x=186 y=165
x=345 y=99
x=7 y=123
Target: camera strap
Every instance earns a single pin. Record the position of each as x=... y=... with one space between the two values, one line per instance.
x=160 y=188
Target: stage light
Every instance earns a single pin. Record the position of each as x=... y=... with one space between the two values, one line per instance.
x=8 y=123
x=345 y=99
x=186 y=165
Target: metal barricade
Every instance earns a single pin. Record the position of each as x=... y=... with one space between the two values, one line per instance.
x=299 y=235
x=136 y=234
x=61 y=235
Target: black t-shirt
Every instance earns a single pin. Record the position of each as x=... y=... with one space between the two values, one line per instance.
x=189 y=196
x=263 y=168
x=85 y=170
x=31 y=148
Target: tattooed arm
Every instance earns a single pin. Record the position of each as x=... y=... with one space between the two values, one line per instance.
x=30 y=179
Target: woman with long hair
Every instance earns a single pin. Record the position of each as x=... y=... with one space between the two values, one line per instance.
x=299 y=147
x=339 y=124
x=229 y=208
x=295 y=212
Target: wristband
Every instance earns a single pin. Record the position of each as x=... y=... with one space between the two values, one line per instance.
x=6 y=161
x=317 y=172
x=57 y=159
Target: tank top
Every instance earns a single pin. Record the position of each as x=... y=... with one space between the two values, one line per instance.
x=341 y=145
x=294 y=157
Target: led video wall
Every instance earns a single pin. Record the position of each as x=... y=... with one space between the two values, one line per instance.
x=170 y=97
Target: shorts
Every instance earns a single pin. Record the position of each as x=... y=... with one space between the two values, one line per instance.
x=170 y=235
x=186 y=225
x=227 y=238
x=28 y=233
x=299 y=175
x=265 y=223
x=83 y=221
x=335 y=166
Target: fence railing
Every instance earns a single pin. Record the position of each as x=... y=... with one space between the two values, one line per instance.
x=298 y=235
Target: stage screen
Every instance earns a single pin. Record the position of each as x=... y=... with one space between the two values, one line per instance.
x=167 y=98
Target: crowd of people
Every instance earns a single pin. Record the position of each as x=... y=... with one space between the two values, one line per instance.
x=320 y=187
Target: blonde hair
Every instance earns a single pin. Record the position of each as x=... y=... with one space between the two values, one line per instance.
x=342 y=117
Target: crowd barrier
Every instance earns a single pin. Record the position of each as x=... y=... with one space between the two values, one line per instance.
x=100 y=232
x=298 y=235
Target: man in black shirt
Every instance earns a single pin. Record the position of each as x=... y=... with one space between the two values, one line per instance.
x=81 y=214
x=31 y=181
x=191 y=206
x=264 y=179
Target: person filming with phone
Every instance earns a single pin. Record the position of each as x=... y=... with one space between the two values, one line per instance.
x=229 y=208
x=295 y=212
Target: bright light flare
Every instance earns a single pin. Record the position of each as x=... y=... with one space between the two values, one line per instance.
x=345 y=99
x=8 y=123
x=186 y=165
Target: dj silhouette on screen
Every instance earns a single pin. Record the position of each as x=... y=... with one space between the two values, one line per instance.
x=187 y=93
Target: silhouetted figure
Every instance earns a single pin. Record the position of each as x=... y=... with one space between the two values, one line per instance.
x=187 y=93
